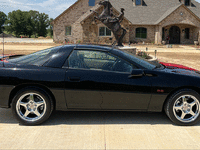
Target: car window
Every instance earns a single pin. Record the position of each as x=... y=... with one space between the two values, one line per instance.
x=37 y=58
x=97 y=60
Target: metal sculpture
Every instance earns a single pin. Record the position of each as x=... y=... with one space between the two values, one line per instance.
x=111 y=21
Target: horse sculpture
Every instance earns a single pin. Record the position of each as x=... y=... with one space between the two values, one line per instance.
x=111 y=21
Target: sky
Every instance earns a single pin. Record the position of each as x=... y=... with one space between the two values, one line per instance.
x=51 y=7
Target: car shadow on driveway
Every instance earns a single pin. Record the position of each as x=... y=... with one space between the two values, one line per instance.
x=95 y=117
x=107 y=117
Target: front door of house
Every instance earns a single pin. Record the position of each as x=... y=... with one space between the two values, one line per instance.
x=174 y=35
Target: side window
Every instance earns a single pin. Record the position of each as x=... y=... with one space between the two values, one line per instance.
x=97 y=60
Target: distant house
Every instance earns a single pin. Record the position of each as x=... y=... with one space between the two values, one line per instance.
x=145 y=20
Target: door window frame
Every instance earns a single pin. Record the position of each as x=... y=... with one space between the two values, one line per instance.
x=66 y=64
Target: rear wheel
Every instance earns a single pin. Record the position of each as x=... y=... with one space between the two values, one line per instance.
x=183 y=107
x=32 y=106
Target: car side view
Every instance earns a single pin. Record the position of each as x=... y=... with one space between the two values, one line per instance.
x=96 y=78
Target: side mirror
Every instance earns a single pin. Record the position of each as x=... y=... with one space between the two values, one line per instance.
x=136 y=73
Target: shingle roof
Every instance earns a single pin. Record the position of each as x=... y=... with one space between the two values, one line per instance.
x=167 y=13
x=152 y=11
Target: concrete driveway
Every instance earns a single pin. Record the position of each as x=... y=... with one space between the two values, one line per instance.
x=98 y=130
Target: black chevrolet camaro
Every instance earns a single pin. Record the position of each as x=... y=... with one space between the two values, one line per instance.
x=96 y=78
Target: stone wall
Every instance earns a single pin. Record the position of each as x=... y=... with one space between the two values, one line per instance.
x=192 y=33
x=91 y=30
x=180 y=16
x=150 y=34
x=69 y=18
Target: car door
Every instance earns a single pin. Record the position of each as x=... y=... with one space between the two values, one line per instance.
x=100 y=80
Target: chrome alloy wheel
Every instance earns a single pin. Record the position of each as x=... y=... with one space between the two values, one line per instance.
x=186 y=108
x=31 y=107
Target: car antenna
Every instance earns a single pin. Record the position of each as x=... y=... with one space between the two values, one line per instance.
x=3 y=42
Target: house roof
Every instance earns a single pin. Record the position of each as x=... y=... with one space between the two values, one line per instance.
x=151 y=13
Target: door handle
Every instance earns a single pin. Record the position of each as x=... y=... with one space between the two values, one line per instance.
x=74 y=79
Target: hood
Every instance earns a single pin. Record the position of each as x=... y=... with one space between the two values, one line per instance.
x=180 y=69
x=177 y=66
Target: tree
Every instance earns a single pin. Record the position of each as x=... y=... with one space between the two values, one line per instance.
x=50 y=28
x=43 y=24
x=34 y=19
x=27 y=23
x=16 y=22
x=3 y=18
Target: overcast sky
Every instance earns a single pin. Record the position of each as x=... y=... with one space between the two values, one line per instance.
x=51 y=7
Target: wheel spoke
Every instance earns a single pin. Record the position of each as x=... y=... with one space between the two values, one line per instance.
x=23 y=104
x=39 y=104
x=192 y=113
x=192 y=104
x=178 y=107
x=183 y=115
x=26 y=113
x=37 y=113
x=184 y=99
x=31 y=97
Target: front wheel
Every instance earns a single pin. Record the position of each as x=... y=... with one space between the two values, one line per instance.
x=183 y=107
x=32 y=106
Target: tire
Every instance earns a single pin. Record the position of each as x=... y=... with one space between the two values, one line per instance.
x=183 y=107
x=32 y=106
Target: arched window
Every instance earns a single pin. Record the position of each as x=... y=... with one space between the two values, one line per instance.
x=141 y=33
x=187 y=2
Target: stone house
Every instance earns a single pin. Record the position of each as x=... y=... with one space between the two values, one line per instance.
x=150 y=21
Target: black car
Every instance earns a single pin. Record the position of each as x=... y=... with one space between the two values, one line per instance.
x=95 y=78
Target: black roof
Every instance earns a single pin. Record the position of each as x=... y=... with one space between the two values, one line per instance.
x=89 y=46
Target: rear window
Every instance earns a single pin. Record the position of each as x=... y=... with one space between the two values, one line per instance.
x=37 y=58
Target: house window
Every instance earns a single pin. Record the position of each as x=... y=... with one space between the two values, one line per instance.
x=68 y=30
x=141 y=33
x=103 y=31
x=187 y=33
x=91 y=2
x=138 y=2
x=187 y=2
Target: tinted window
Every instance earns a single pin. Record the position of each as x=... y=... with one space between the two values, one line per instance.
x=98 y=60
x=68 y=30
x=38 y=58
x=139 y=60
x=141 y=33
x=103 y=31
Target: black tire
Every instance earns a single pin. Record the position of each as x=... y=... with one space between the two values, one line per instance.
x=36 y=102
x=181 y=103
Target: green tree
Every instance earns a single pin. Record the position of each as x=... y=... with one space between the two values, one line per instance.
x=34 y=21
x=50 y=28
x=3 y=18
x=16 y=22
x=27 y=23
x=43 y=24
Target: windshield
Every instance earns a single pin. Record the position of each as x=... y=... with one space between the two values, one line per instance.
x=141 y=61
x=37 y=58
